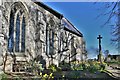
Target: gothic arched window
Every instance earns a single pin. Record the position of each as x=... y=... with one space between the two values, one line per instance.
x=16 y=41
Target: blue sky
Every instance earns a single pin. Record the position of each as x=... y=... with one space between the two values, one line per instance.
x=84 y=16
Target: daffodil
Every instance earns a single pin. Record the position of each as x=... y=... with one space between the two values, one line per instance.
x=52 y=77
x=40 y=74
x=51 y=74
x=45 y=75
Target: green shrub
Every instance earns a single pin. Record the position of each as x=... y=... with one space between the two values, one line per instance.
x=54 y=68
x=3 y=76
x=85 y=66
x=78 y=67
x=40 y=67
x=92 y=68
x=96 y=66
x=65 y=66
x=102 y=67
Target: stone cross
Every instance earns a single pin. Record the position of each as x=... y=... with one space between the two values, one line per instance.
x=99 y=38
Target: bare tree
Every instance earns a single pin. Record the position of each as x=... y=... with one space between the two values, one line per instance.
x=113 y=12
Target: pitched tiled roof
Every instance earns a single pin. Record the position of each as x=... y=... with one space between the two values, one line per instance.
x=68 y=26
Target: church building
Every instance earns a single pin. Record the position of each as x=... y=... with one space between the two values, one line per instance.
x=32 y=31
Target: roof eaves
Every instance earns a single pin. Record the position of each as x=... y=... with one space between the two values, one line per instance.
x=58 y=15
x=78 y=32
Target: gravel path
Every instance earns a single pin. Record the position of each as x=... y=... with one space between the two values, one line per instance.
x=114 y=71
